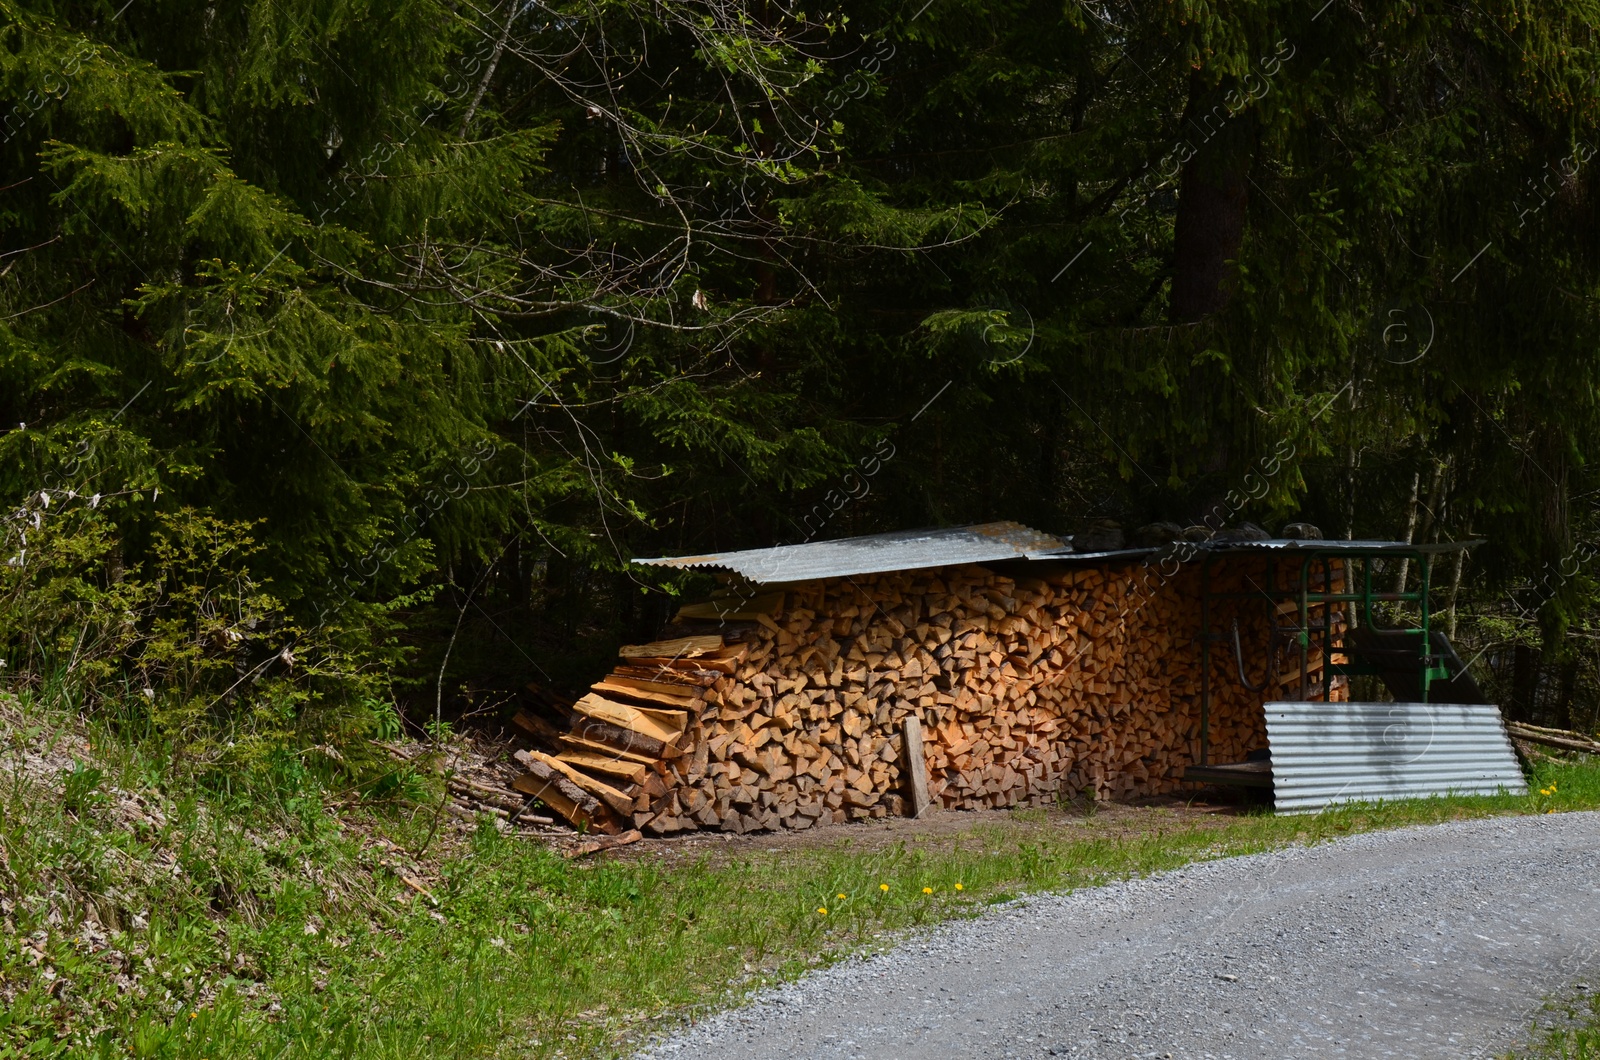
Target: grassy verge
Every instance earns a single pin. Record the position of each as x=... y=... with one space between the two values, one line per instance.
x=137 y=918
x=1568 y=1029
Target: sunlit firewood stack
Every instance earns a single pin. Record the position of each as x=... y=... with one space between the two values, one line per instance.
x=961 y=687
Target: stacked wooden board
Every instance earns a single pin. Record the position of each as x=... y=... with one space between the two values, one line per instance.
x=1085 y=680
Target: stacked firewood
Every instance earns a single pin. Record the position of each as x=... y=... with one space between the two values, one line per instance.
x=1004 y=691
x=609 y=767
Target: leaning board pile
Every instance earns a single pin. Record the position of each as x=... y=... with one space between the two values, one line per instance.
x=1084 y=681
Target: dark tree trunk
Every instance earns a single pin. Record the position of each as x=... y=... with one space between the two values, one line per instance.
x=1213 y=201
x=1213 y=197
x=1524 y=681
x=1569 y=684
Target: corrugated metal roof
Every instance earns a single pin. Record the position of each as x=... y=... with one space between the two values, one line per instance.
x=874 y=554
x=983 y=543
x=1067 y=553
x=1340 y=545
x=1326 y=753
x=1336 y=545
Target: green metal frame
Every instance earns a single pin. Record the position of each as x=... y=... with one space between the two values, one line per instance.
x=1430 y=663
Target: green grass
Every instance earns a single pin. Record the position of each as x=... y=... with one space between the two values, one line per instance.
x=1567 y=1030
x=276 y=923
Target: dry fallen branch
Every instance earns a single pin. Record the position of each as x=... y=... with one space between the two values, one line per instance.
x=1561 y=738
x=594 y=846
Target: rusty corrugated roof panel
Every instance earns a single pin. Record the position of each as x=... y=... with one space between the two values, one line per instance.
x=873 y=554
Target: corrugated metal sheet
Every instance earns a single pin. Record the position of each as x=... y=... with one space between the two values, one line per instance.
x=984 y=543
x=902 y=550
x=1325 y=753
x=1338 y=545
x=1115 y=554
x=1277 y=544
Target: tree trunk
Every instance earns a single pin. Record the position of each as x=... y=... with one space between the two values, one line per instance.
x=1350 y=492
x=1213 y=196
x=1411 y=529
x=1569 y=683
x=1433 y=510
x=1455 y=589
x=1524 y=681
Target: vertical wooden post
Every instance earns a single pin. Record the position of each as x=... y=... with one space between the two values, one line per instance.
x=916 y=767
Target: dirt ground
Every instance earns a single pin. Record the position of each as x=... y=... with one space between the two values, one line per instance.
x=950 y=829
x=484 y=763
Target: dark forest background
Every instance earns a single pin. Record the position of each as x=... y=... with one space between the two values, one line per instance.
x=349 y=351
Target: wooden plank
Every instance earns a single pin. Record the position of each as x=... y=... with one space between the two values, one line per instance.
x=600 y=747
x=665 y=681
x=674 y=721
x=916 y=766
x=735 y=609
x=621 y=804
x=682 y=647
x=562 y=805
x=650 y=691
x=701 y=664
x=682 y=679
x=562 y=795
x=616 y=766
x=624 y=716
x=547 y=792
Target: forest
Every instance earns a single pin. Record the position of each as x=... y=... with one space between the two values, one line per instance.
x=350 y=351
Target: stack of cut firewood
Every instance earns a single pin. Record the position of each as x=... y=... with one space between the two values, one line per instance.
x=610 y=766
x=1003 y=690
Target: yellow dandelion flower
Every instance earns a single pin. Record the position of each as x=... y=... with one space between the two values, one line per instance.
x=1549 y=811
x=883 y=886
x=927 y=890
x=841 y=895
x=822 y=909
x=959 y=887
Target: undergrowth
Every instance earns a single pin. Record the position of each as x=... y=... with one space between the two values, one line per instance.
x=187 y=646
x=147 y=916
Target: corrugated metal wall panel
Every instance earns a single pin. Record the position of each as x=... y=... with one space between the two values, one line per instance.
x=1323 y=753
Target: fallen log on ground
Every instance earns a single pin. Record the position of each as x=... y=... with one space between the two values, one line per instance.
x=1562 y=738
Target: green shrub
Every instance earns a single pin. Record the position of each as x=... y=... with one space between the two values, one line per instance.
x=189 y=647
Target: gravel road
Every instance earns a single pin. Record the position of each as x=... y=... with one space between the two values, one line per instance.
x=1438 y=941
